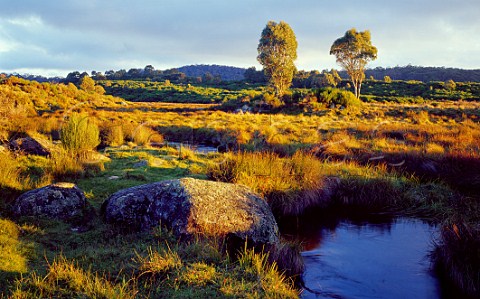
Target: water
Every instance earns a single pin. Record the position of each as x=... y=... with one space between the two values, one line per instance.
x=197 y=148
x=374 y=257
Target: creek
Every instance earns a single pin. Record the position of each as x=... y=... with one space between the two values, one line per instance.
x=366 y=256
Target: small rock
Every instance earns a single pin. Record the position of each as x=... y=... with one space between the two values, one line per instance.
x=29 y=146
x=63 y=201
x=142 y=163
x=246 y=108
x=113 y=177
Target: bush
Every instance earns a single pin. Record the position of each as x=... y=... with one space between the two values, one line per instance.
x=79 y=134
x=112 y=135
x=272 y=100
x=143 y=135
x=337 y=96
x=63 y=164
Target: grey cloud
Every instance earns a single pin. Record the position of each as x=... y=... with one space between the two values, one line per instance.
x=117 y=34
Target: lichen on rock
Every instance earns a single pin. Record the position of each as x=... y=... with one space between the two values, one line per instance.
x=190 y=206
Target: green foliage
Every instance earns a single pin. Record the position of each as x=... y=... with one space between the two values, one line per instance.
x=144 y=91
x=80 y=134
x=277 y=52
x=353 y=51
x=272 y=100
x=334 y=96
x=450 y=85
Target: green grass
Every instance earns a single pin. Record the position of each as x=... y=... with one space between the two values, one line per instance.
x=45 y=258
x=16 y=253
x=125 y=170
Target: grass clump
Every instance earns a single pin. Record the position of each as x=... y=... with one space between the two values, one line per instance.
x=80 y=134
x=15 y=254
x=159 y=262
x=112 y=135
x=264 y=277
x=290 y=184
x=10 y=171
x=457 y=254
x=64 y=279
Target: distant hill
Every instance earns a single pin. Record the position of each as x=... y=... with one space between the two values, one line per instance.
x=230 y=73
x=227 y=73
x=420 y=73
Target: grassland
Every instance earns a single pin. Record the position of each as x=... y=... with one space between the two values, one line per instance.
x=420 y=159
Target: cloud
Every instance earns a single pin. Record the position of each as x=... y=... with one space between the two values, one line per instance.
x=101 y=35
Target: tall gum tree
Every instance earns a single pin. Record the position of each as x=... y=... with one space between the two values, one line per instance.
x=353 y=51
x=277 y=51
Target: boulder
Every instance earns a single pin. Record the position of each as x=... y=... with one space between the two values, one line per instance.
x=29 y=146
x=64 y=201
x=190 y=206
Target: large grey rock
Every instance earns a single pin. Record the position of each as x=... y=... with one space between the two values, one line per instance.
x=63 y=201
x=189 y=206
x=29 y=146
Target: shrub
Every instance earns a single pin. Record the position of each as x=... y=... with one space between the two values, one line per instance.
x=112 y=135
x=272 y=100
x=337 y=96
x=65 y=165
x=79 y=134
x=143 y=135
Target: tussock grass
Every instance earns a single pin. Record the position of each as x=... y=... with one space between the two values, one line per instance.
x=10 y=171
x=264 y=278
x=64 y=279
x=290 y=184
x=457 y=255
x=112 y=134
x=159 y=262
x=79 y=134
x=15 y=253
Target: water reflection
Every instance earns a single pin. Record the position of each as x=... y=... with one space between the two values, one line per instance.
x=356 y=255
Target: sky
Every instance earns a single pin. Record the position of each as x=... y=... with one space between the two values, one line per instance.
x=55 y=37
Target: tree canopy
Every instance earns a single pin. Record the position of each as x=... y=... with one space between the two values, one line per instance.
x=353 y=51
x=277 y=52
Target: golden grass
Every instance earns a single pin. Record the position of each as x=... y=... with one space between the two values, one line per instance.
x=66 y=280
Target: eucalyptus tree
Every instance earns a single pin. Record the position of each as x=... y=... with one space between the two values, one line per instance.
x=353 y=51
x=277 y=51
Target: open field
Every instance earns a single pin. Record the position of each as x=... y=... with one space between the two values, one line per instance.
x=419 y=159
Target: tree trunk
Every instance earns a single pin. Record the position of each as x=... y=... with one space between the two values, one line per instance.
x=355 y=87
x=359 y=86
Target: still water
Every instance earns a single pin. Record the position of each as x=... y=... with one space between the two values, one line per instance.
x=374 y=257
